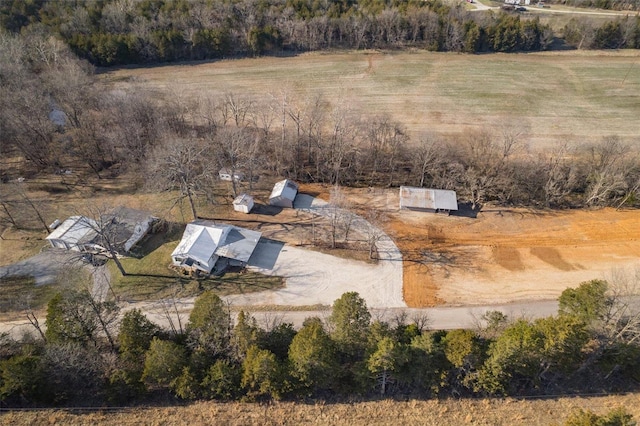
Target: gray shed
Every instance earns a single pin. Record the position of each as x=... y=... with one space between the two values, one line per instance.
x=243 y=203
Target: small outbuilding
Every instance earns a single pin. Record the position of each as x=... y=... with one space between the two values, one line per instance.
x=428 y=199
x=243 y=203
x=283 y=193
x=208 y=247
x=228 y=175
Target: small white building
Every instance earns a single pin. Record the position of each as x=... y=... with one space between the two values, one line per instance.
x=225 y=174
x=207 y=247
x=124 y=227
x=243 y=203
x=283 y=193
x=428 y=200
x=77 y=233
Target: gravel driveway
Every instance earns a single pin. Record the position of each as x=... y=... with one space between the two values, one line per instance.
x=318 y=278
x=43 y=267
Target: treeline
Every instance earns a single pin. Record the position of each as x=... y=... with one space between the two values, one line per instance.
x=54 y=116
x=87 y=357
x=125 y=32
x=117 y=32
x=617 y=34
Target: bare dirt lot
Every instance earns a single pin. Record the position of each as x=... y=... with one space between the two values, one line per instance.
x=503 y=255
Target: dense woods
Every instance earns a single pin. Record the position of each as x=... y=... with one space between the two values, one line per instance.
x=85 y=357
x=126 y=32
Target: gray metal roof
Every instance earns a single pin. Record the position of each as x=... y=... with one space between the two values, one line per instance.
x=286 y=189
x=243 y=200
x=427 y=198
x=238 y=244
x=76 y=230
x=202 y=239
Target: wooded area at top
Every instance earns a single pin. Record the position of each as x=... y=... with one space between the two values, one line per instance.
x=127 y=32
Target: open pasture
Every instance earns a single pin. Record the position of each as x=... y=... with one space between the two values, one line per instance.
x=572 y=96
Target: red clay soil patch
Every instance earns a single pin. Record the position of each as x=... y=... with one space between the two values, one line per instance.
x=508 y=257
x=419 y=288
x=551 y=256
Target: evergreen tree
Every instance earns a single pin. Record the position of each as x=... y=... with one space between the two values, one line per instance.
x=312 y=357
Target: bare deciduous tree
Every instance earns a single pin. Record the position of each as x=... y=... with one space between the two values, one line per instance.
x=560 y=175
x=236 y=149
x=373 y=232
x=622 y=321
x=607 y=169
x=182 y=164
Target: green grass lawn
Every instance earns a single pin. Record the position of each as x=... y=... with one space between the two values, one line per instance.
x=19 y=293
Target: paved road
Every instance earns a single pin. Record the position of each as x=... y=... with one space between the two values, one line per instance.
x=533 y=8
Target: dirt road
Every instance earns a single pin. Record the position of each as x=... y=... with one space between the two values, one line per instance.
x=169 y=315
x=43 y=267
x=573 y=11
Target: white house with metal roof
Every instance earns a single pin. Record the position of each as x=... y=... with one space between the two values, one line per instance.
x=124 y=228
x=428 y=199
x=77 y=233
x=283 y=193
x=206 y=246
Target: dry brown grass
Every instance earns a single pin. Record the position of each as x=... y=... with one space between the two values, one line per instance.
x=492 y=412
x=569 y=95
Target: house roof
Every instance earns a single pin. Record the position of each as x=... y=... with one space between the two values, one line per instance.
x=238 y=244
x=427 y=198
x=285 y=189
x=202 y=239
x=128 y=226
x=75 y=230
x=124 y=227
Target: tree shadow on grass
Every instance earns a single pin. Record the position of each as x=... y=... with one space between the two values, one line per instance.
x=169 y=231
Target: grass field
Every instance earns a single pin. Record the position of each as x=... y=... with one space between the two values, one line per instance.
x=494 y=412
x=559 y=96
x=21 y=293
